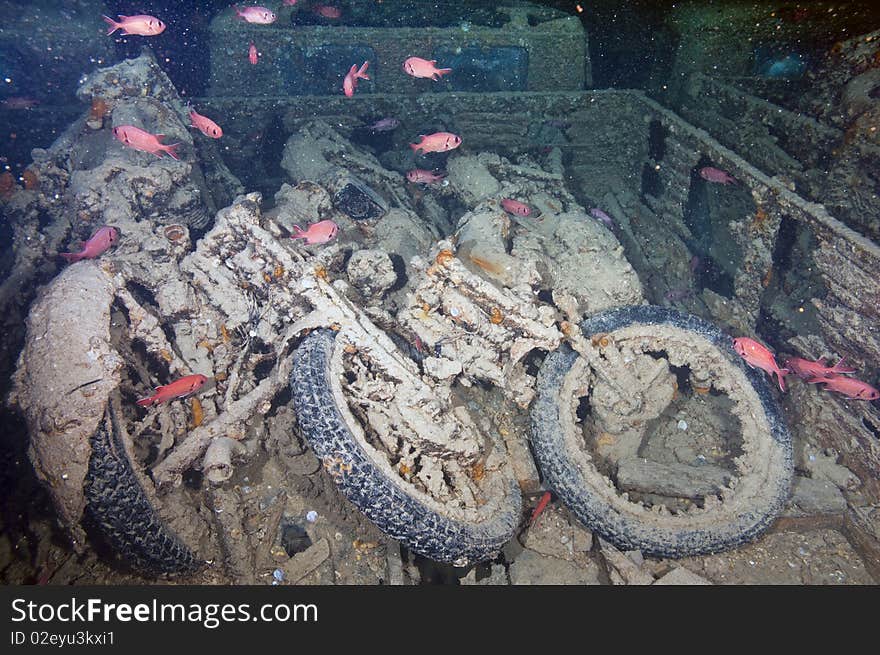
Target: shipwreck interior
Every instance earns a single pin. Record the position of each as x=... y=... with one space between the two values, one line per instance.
x=455 y=313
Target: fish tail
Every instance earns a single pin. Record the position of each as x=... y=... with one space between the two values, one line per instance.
x=112 y=23
x=780 y=375
x=415 y=146
x=171 y=149
x=443 y=71
x=299 y=233
x=146 y=402
x=71 y=257
x=362 y=71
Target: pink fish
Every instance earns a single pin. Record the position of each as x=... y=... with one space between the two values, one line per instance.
x=418 y=67
x=516 y=207
x=19 y=102
x=289 y=3
x=349 y=84
x=716 y=175
x=602 y=217
x=437 y=142
x=849 y=387
x=320 y=232
x=180 y=388
x=757 y=355
x=327 y=11
x=135 y=137
x=139 y=25
x=256 y=15
x=421 y=176
x=253 y=55
x=204 y=124
x=805 y=368
x=385 y=125
x=104 y=237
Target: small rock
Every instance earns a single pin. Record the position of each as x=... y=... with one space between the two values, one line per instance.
x=680 y=576
x=531 y=568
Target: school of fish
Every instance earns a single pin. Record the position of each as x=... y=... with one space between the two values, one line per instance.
x=832 y=378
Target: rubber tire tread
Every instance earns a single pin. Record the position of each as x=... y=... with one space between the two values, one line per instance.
x=122 y=512
x=563 y=477
x=398 y=514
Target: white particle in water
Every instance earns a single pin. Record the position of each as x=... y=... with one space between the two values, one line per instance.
x=682 y=425
x=312 y=516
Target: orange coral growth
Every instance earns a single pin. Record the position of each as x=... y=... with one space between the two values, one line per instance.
x=278 y=271
x=197 y=414
x=496 y=316
x=7 y=184
x=99 y=109
x=321 y=272
x=768 y=276
x=267 y=277
x=477 y=471
x=760 y=219
x=165 y=355
x=30 y=179
x=224 y=333
x=600 y=340
x=404 y=469
x=220 y=377
x=443 y=257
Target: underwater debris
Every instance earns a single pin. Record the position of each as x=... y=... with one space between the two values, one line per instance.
x=97 y=111
x=175 y=233
x=198 y=414
x=7 y=185
x=30 y=180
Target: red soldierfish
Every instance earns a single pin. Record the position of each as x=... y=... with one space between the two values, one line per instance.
x=104 y=237
x=806 y=368
x=135 y=137
x=421 y=176
x=140 y=25
x=349 y=84
x=545 y=500
x=437 y=142
x=757 y=355
x=516 y=207
x=418 y=67
x=320 y=232
x=204 y=124
x=253 y=55
x=326 y=11
x=716 y=175
x=185 y=386
x=256 y=15
x=850 y=387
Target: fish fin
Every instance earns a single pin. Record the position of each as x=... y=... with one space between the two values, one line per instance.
x=171 y=149
x=839 y=368
x=112 y=23
x=71 y=257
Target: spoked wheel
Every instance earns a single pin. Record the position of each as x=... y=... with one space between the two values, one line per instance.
x=658 y=437
x=414 y=463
